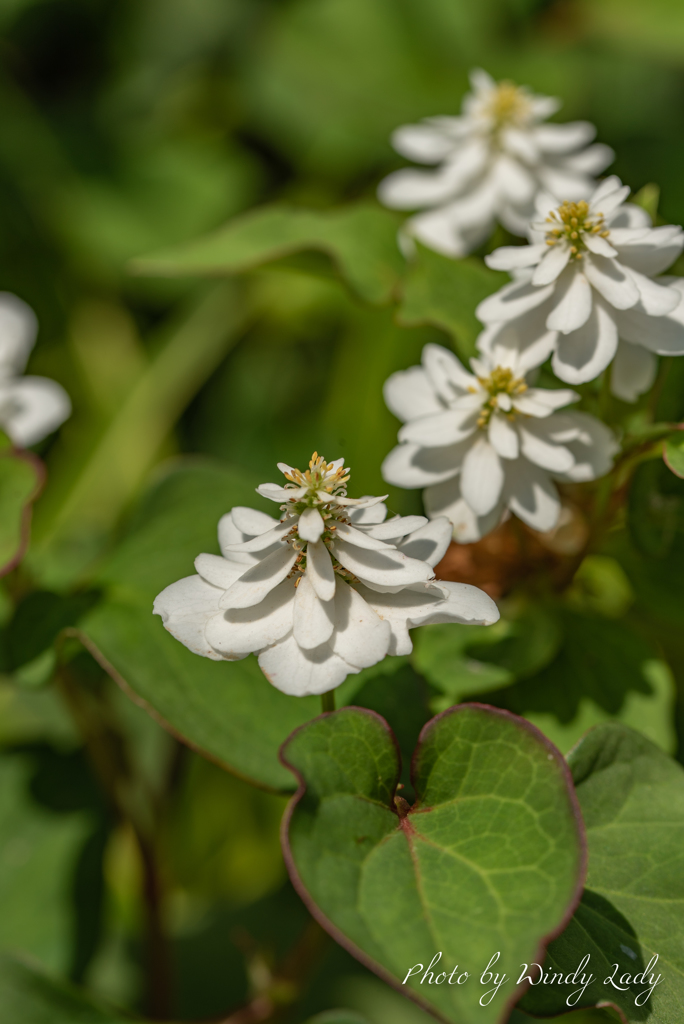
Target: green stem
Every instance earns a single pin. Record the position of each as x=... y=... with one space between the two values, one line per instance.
x=107 y=750
x=328 y=701
x=77 y=530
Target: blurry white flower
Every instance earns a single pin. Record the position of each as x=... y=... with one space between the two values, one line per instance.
x=494 y=160
x=485 y=441
x=30 y=407
x=329 y=589
x=586 y=288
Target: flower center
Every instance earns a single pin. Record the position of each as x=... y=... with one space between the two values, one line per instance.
x=501 y=385
x=571 y=222
x=508 y=105
x=321 y=478
x=324 y=482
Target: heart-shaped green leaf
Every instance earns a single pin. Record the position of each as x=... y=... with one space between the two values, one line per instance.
x=489 y=860
x=29 y=996
x=361 y=240
x=632 y=799
x=21 y=478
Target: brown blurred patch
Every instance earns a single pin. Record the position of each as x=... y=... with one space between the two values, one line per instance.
x=513 y=553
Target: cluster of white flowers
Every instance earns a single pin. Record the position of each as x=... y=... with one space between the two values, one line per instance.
x=587 y=288
x=588 y=292
x=30 y=407
x=334 y=585
x=486 y=441
x=494 y=160
x=329 y=589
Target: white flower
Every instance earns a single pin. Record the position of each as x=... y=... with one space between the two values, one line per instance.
x=485 y=441
x=494 y=160
x=329 y=589
x=586 y=288
x=30 y=407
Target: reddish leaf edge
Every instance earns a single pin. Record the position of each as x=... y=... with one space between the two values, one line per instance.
x=27 y=512
x=127 y=689
x=343 y=940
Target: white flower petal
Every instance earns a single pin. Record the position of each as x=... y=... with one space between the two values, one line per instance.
x=274 y=492
x=552 y=265
x=361 y=637
x=539 y=449
x=408 y=393
x=598 y=245
x=661 y=334
x=609 y=203
x=251 y=521
x=236 y=632
x=388 y=567
x=439 y=602
x=314 y=620
x=649 y=251
x=510 y=257
x=503 y=437
x=583 y=354
x=360 y=538
x=574 y=301
x=563 y=138
x=301 y=673
x=422 y=143
x=310 y=525
x=395 y=528
x=532 y=495
x=18 y=329
x=371 y=515
x=319 y=569
x=354 y=502
x=612 y=281
x=262 y=541
x=445 y=500
x=481 y=477
x=445 y=372
x=542 y=401
x=593 y=448
x=185 y=608
x=410 y=465
x=609 y=186
x=440 y=430
x=31 y=408
x=253 y=586
x=655 y=299
x=429 y=542
x=218 y=571
x=633 y=371
x=511 y=301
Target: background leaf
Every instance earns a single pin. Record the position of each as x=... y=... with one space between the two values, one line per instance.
x=29 y=996
x=488 y=859
x=632 y=799
x=445 y=293
x=360 y=240
x=38 y=850
x=21 y=478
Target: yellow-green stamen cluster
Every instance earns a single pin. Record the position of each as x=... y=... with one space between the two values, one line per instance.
x=570 y=222
x=501 y=381
x=319 y=477
x=508 y=105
